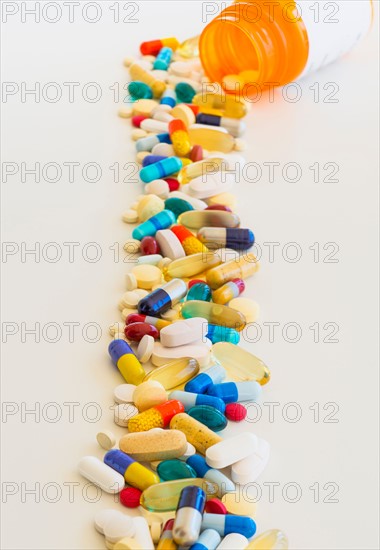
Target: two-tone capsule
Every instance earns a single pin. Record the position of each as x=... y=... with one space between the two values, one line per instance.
x=233 y=392
x=163 y=59
x=149 y=228
x=160 y=169
x=228 y=291
x=213 y=375
x=202 y=469
x=236 y=238
x=189 y=400
x=126 y=361
x=162 y=299
x=225 y=524
x=188 y=519
x=134 y=473
x=139 y=318
x=234 y=126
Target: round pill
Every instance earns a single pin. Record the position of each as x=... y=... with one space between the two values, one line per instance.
x=170 y=315
x=103 y=516
x=249 y=308
x=213 y=506
x=106 y=440
x=149 y=245
x=236 y=503
x=228 y=199
x=145 y=348
x=181 y=68
x=127 y=311
x=235 y=412
x=125 y=113
x=116 y=328
x=148 y=394
x=123 y=412
x=124 y=393
x=132 y=246
x=149 y=206
x=130 y=497
x=184 y=113
x=144 y=107
x=118 y=527
x=147 y=276
x=138 y=133
x=127 y=543
x=130 y=216
x=141 y=292
x=131 y=281
x=131 y=299
x=159 y=188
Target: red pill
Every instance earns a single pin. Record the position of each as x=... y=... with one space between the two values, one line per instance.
x=148 y=246
x=235 y=412
x=219 y=207
x=130 y=497
x=135 y=331
x=137 y=120
x=214 y=506
x=173 y=184
x=196 y=153
x=194 y=282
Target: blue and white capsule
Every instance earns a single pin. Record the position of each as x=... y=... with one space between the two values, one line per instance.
x=190 y=400
x=149 y=228
x=188 y=518
x=147 y=143
x=234 y=126
x=162 y=299
x=161 y=169
x=228 y=523
x=234 y=392
x=163 y=59
x=209 y=539
x=236 y=238
x=202 y=469
x=169 y=98
x=201 y=383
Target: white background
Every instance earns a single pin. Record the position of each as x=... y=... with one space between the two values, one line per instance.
x=38 y=451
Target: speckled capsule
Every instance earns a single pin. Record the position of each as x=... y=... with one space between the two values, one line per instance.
x=189 y=242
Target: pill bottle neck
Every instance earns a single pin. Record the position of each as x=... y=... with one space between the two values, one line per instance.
x=266 y=37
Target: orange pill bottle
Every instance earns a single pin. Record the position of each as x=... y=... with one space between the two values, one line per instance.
x=279 y=41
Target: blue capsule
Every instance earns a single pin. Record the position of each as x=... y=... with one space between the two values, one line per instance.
x=202 y=469
x=201 y=383
x=188 y=518
x=170 y=470
x=162 y=220
x=217 y=333
x=233 y=392
x=208 y=540
x=151 y=159
x=199 y=291
x=147 y=143
x=226 y=524
x=161 y=169
x=163 y=59
x=190 y=400
x=209 y=416
x=236 y=238
x=169 y=98
x=162 y=299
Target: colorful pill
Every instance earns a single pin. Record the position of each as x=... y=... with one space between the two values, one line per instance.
x=175 y=373
x=209 y=416
x=236 y=238
x=149 y=245
x=190 y=243
x=233 y=392
x=226 y=524
x=155 y=417
x=139 y=90
x=188 y=519
x=185 y=92
x=208 y=218
x=234 y=126
x=155 y=321
x=208 y=540
x=162 y=220
x=152 y=47
x=214 y=313
x=199 y=291
x=240 y=364
x=217 y=333
x=151 y=159
x=147 y=143
x=213 y=375
x=191 y=265
x=168 y=98
x=138 y=73
x=196 y=433
x=166 y=541
x=170 y=470
x=137 y=120
x=202 y=469
x=163 y=59
x=180 y=137
x=178 y=206
x=135 y=474
x=162 y=299
x=212 y=138
x=136 y=331
x=228 y=291
x=220 y=104
x=126 y=361
x=190 y=400
x=161 y=169
x=242 y=268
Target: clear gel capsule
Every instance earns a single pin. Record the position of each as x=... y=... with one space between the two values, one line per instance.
x=209 y=416
x=162 y=220
x=160 y=169
x=225 y=524
x=208 y=540
x=147 y=143
x=217 y=333
x=190 y=400
x=214 y=313
x=234 y=392
x=204 y=167
x=202 y=469
x=165 y=496
x=228 y=291
x=220 y=104
x=188 y=519
x=270 y=540
x=162 y=299
x=174 y=374
x=191 y=265
x=239 y=363
x=242 y=268
x=211 y=138
x=213 y=375
x=208 y=218
x=170 y=470
x=126 y=361
x=236 y=238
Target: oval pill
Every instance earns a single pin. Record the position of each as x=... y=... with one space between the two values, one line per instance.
x=231 y=450
x=184 y=332
x=154 y=445
x=100 y=474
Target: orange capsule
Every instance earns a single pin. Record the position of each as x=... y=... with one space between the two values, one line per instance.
x=179 y=137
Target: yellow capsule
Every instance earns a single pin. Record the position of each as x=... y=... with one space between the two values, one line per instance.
x=270 y=540
x=196 y=433
x=165 y=496
x=175 y=374
x=138 y=73
x=203 y=167
x=214 y=313
x=240 y=364
x=220 y=104
x=191 y=265
x=189 y=48
x=212 y=138
x=195 y=219
x=139 y=476
x=242 y=268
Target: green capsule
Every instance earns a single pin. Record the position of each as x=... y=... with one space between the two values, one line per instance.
x=199 y=291
x=177 y=206
x=209 y=416
x=170 y=470
x=184 y=92
x=139 y=90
